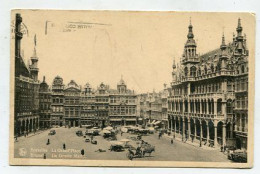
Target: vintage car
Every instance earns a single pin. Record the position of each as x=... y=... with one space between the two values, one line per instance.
x=93 y=132
x=87 y=140
x=116 y=146
x=94 y=142
x=52 y=132
x=237 y=155
x=79 y=133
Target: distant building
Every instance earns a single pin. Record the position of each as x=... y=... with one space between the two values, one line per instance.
x=57 y=104
x=45 y=105
x=72 y=104
x=153 y=108
x=122 y=105
x=26 y=97
x=209 y=93
x=88 y=107
x=102 y=104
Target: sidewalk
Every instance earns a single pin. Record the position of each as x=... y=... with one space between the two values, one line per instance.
x=196 y=144
x=31 y=134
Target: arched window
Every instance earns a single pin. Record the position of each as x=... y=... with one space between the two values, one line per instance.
x=193 y=71
x=229 y=106
x=219 y=106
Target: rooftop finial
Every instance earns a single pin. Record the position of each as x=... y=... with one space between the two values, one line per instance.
x=43 y=79
x=223 y=39
x=35 y=40
x=190 y=33
x=239 y=22
x=239 y=28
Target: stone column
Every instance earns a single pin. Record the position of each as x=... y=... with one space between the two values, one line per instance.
x=224 y=134
x=179 y=126
x=215 y=136
x=20 y=131
x=171 y=124
x=207 y=122
x=195 y=129
x=38 y=126
x=183 y=128
x=74 y=123
x=188 y=129
x=201 y=135
x=240 y=122
x=231 y=130
x=215 y=107
x=174 y=126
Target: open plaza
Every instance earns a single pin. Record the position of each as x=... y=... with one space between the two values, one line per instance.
x=35 y=146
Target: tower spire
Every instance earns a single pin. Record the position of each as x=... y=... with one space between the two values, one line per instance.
x=190 y=33
x=223 y=44
x=34 y=62
x=239 y=28
x=173 y=64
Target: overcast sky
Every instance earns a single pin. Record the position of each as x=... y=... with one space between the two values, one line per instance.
x=140 y=46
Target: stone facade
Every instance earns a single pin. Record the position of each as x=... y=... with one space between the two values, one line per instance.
x=208 y=97
x=45 y=105
x=26 y=97
x=122 y=105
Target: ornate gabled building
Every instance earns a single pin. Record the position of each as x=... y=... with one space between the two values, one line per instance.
x=26 y=97
x=88 y=108
x=102 y=105
x=72 y=104
x=44 y=105
x=122 y=105
x=207 y=102
x=57 y=104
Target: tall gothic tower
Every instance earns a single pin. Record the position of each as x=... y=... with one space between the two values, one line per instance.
x=34 y=63
x=190 y=56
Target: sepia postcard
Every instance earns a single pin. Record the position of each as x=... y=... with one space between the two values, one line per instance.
x=132 y=88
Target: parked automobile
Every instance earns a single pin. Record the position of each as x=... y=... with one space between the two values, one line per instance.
x=94 y=142
x=79 y=133
x=237 y=155
x=93 y=132
x=52 y=132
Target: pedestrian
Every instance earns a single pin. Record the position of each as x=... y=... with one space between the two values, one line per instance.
x=44 y=156
x=64 y=146
x=172 y=141
x=82 y=152
x=48 y=141
x=121 y=133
